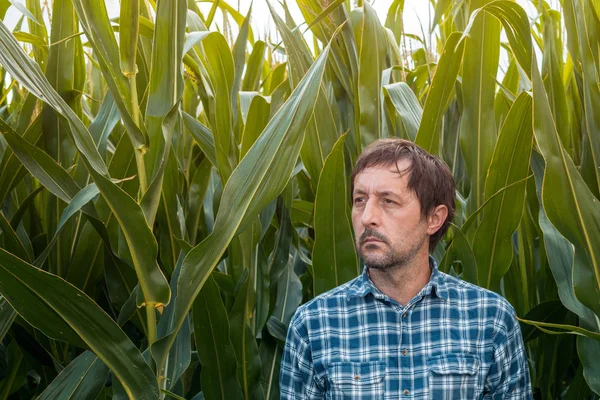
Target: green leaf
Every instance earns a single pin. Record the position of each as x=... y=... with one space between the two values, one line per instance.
x=254 y=67
x=139 y=237
x=166 y=82
x=83 y=378
x=516 y=27
x=270 y=356
x=4 y=5
x=589 y=351
x=11 y=241
x=41 y=165
x=575 y=330
x=239 y=60
x=289 y=297
x=440 y=92
x=478 y=127
x=401 y=97
x=7 y=316
x=321 y=132
x=334 y=255
x=244 y=343
x=559 y=252
x=215 y=350
x=510 y=163
x=78 y=201
x=203 y=137
x=220 y=75
x=587 y=28
x=198 y=188
x=255 y=123
x=180 y=353
x=62 y=312
x=464 y=252
x=441 y=8
x=548 y=311
x=128 y=35
x=11 y=167
x=60 y=71
x=30 y=38
x=393 y=21
x=569 y=204
x=371 y=41
x=21 y=7
x=28 y=73
x=94 y=20
x=552 y=70
x=252 y=186
x=107 y=118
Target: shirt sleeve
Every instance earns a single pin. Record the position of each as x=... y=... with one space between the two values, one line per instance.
x=508 y=377
x=297 y=376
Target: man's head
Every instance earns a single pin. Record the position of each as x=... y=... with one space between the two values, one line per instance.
x=402 y=202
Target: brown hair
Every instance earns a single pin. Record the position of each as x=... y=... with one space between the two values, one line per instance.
x=430 y=178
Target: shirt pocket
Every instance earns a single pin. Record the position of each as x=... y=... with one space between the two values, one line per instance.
x=454 y=376
x=356 y=380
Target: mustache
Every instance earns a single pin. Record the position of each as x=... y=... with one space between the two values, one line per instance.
x=371 y=233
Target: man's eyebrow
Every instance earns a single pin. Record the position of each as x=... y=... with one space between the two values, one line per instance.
x=379 y=193
x=384 y=193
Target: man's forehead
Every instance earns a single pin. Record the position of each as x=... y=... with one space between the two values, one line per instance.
x=380 y=179
x=398 y=170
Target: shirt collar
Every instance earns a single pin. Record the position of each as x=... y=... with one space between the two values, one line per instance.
x=363 y=285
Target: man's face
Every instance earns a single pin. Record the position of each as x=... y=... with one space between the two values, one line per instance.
x=386 y=217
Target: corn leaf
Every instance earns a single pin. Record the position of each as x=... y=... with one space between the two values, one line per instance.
x=251 y=187
x=129 y=214
x=440 y=92
x=372 y=44
x=215 y=350
x=83 y=378
x=403 y=100
x=478 y=127
x=575 y=212
x=62 y=311
x=510 y=163
x=321 y=131
x=334 y=257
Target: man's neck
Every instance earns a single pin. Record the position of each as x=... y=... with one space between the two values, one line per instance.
x=402 y=283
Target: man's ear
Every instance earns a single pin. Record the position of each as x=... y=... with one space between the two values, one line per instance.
x=436 y=219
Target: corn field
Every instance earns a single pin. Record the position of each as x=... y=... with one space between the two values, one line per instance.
x=172 y=189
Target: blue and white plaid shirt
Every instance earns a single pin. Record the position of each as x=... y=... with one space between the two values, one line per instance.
x=453 y=340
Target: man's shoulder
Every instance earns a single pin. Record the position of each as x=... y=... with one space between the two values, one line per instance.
x=326 y=301
x=476 y=296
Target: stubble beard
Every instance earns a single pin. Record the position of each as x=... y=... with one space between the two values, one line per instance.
x=388 y=258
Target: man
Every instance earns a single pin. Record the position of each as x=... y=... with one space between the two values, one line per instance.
x=403 y=329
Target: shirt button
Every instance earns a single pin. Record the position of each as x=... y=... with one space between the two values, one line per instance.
x=406 y=392
x=356 y=377
x=404 y=352
x=404 y=315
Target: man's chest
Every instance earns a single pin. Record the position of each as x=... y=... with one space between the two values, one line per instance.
x=428 y=351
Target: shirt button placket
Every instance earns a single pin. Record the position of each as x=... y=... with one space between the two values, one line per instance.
x=404 y=360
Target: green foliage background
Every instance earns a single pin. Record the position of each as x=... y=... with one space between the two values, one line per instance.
x=170 y=193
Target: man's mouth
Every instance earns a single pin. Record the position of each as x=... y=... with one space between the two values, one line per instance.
x=371 y=240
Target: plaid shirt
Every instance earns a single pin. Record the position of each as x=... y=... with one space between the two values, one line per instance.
x=453 y=340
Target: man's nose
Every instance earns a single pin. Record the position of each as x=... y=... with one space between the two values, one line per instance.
x=371 y=213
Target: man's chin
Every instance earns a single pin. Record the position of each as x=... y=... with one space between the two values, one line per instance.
x=375 y=262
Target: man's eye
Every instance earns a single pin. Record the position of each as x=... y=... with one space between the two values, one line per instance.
x=388 y=201
x=359 y=200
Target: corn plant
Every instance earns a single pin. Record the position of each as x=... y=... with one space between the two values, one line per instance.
x=172 y=189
